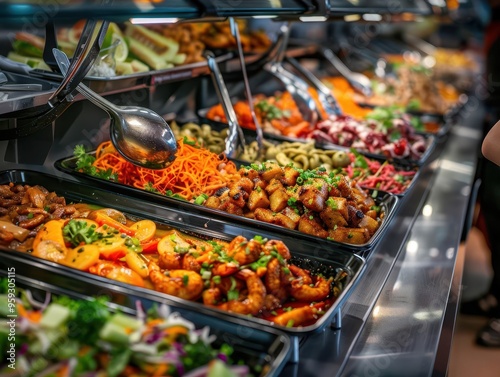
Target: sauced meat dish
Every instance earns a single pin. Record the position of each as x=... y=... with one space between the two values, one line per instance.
x=256 y=277
x=313 y=202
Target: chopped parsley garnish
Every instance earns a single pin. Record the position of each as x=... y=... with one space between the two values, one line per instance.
x=84 y=163
x=76 y=232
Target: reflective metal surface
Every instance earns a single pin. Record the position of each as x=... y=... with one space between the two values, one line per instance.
x=139 y=134
x=399 y=319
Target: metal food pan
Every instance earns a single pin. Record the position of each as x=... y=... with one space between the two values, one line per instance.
x=430 y=141
x=138 y=80
x=266 y=350
x=388 y=203
x=397 y=164
x=313 y=256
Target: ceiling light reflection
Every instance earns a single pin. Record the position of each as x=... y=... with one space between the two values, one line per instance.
x=137 y=21
x=372 y=17
x=352 y=17
x=412 y=247
x=434 y=252
x=427 y=210
x=313 y=18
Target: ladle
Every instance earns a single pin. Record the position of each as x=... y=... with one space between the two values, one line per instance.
x=139 y=134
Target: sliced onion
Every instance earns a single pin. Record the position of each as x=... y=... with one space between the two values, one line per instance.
x=144 y=348
x=44 y=340
x=36 y=304
x=222 y=356
x=141 y=314
x=71 y=366
x=198 y=372
x=240 y=370
x=176 y=319
x=164 y=310
x=23 y=349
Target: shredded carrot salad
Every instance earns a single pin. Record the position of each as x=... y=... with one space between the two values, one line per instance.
x=195 y=171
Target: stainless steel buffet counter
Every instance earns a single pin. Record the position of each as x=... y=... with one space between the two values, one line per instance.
x=399 y=319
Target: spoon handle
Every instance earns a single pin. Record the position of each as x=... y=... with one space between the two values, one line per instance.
x=64 y=63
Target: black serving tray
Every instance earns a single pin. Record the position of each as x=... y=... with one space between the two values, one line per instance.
x=267 y=350
x=388 y=203
x=430 y=141
x=317 y=257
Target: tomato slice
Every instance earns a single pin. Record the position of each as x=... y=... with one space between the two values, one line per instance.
x=150 y=246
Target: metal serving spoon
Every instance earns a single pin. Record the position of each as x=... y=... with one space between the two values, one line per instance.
x=139 y=134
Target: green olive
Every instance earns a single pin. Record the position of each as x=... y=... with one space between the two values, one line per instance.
x=340 y=159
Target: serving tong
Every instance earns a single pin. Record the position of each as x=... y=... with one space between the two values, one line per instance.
x=295 y=85
x=86 y=52
x=235 y=135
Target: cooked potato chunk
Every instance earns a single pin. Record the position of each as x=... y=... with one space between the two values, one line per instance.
x=369 y=224
x=290 y=176
x=278 y=200
x=230 y=206
x=334 y=215
x=343 y=186
x=248 y=173
x=257 y=199
x=212 y=202
x=310 y=226
x=311 y=199
x=282 y=220
x=263 y=214
x=273 y=185
x=292 y=214
x=274 y=218
x=355 y=236
x=271 y=171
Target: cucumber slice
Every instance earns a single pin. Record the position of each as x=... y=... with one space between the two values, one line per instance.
x=114 y=333
x=125 y=321
x=54 y=316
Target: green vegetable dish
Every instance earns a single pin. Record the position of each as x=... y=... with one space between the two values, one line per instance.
x=66 y=337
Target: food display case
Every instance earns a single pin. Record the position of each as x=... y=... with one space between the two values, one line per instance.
x=397 y=309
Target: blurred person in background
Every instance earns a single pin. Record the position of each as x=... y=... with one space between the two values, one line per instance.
x=489 y=195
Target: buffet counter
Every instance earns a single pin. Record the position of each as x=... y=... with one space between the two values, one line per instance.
x=400 y=318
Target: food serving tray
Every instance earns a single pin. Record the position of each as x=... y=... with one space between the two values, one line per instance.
x=399 y=165
x=138 y=80
x=386 y=201
x=266 y=350
x=430 y=141
x=446 y=119
x=316 y=257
